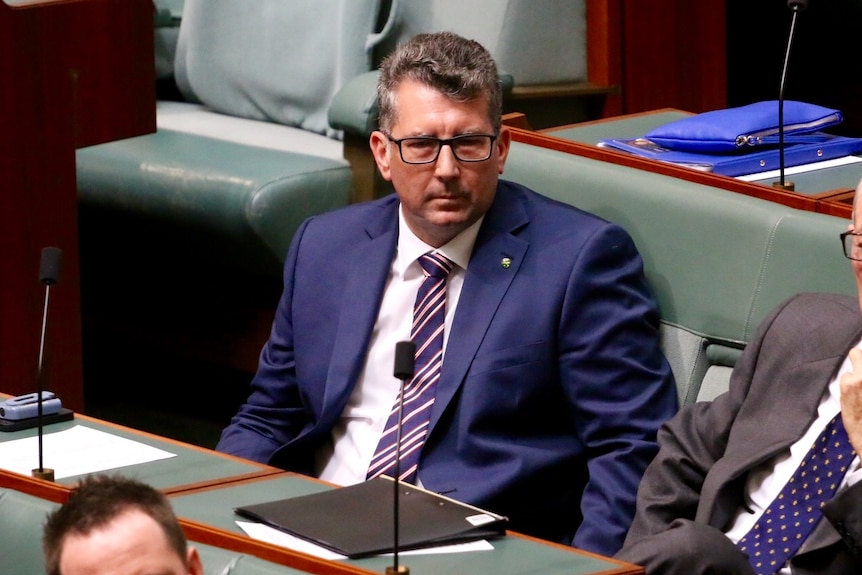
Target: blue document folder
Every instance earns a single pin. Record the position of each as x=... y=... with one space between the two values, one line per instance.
x=743 y=163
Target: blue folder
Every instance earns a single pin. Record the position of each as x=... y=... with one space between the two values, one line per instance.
x=829 y=147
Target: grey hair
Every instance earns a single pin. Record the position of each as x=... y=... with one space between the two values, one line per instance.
x=459 y=68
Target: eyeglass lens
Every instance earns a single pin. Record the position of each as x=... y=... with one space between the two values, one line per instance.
x=469 y=148
x=853 y=246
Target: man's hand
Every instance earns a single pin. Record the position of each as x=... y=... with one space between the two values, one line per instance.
x=851 y=400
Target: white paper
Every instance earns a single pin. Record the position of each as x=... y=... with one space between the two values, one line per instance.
x=78 y=450
x=801 y=168
x=268 y=534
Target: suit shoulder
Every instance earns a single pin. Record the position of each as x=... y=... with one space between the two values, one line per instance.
x=824 y=305
x=818 y=312
x=549 y=213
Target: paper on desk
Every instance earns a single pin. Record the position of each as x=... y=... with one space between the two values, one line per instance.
x=78 y=450
x=268 y=534
x=844 y=160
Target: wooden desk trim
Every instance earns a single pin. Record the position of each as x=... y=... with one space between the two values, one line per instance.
x=262 y=471
x=197 y=532
x=54 y=492
x=215 y=533
x=831 y=202
x=209 y=535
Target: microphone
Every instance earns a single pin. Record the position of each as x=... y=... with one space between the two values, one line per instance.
x=405 y=359
x=796 y=6
x=49 y=273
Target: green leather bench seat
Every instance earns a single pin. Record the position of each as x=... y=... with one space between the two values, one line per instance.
x=234 y=203
x=718 y=261
x=22 y=517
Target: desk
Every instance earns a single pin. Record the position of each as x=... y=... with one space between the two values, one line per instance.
x=205 y=486
x=513 y=555
x=828 y=191
x=22 y=514
x=193 y=467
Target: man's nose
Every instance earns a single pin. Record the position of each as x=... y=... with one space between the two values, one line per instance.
x=447 y=165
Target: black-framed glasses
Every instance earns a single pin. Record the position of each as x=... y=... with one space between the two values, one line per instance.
x=425 y=150
x=852 y=242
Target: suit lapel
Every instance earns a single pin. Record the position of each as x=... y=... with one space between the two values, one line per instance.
x=485 y=283
x=365 y=281
x=765 y=427
x=798 y=392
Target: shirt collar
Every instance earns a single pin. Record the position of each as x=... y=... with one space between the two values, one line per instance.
x=410 y=247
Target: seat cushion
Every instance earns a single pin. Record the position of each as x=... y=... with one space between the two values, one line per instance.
x=236 y=204
x=277 y=61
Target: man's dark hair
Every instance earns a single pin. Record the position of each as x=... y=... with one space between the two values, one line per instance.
x=461 y=69
x=95 y=502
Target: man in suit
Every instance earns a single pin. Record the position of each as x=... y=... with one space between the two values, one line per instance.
x=113 y=524
x=553 y=385
x=723 y=465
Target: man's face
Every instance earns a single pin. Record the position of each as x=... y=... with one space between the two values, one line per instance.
x=132 y=544
x=442 y=198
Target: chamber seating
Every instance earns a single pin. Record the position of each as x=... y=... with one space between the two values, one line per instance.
x=718 y=261
x=183 y=231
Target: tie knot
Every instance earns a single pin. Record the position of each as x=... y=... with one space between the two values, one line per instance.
x=435 y=265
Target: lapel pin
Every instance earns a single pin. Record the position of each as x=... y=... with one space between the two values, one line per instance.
x=506 y=263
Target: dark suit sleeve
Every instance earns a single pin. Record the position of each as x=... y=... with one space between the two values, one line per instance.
x=618 y=381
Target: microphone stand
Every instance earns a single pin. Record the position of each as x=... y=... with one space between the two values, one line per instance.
x=405 y=352
x=796 y=6
x=47 y=275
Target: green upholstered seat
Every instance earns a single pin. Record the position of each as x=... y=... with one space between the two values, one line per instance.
x=231 y=203
x=718 y=261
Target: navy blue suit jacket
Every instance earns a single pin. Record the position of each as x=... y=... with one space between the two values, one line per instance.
x=553 y=385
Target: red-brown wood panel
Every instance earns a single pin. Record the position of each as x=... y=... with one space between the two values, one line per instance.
x=74 y=73
x=658 y=54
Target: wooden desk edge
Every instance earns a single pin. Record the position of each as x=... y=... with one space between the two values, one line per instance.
x=546 y=140
x=197 y=532
x=209 y=535
x=829 y=202
x=261 y=471
x=622 y=569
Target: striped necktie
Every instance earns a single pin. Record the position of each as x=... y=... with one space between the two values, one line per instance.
x=793 y=514
x=429 y=313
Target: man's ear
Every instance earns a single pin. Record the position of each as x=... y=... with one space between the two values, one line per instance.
x=503 y=142
x=193 y=562
x=380 y=149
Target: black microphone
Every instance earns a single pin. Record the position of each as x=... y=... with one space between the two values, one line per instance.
x=49 y=274
x=796 y=6
x=405 y=360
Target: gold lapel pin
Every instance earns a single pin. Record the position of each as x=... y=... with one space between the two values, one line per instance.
x=506 y=263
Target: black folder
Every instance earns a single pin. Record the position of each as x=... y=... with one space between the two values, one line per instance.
x=357 y=520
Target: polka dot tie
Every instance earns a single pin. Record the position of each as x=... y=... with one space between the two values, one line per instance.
x=429 y=313
x=793 y=514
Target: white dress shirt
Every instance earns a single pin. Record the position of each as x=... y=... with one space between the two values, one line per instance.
x=765 y=483
x=354 y=439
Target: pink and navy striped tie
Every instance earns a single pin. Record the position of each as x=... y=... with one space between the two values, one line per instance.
x=429 y=313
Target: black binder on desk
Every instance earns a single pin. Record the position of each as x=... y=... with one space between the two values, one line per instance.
x=742 y=163
x=357 y=520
